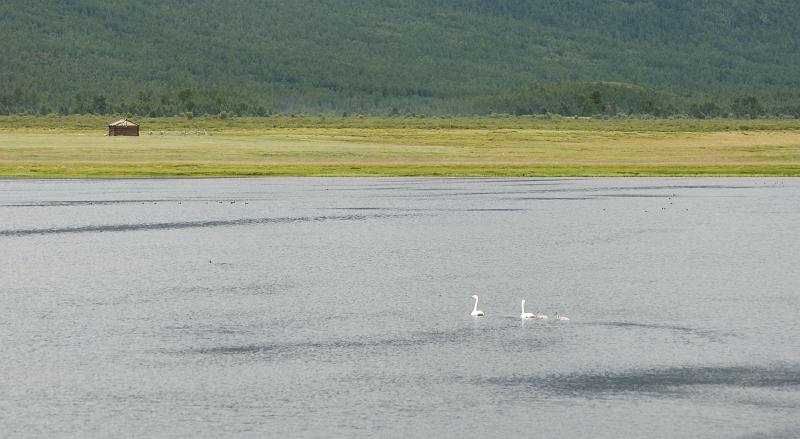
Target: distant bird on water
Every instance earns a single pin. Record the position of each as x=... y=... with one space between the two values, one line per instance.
x=526 y=315
x=475 y=311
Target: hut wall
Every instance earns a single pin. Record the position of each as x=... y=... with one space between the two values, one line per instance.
x=123 y=131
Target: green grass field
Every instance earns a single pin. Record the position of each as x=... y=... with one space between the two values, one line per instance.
x=76 y=147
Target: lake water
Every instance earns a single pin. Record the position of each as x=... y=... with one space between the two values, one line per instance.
x=340 y=308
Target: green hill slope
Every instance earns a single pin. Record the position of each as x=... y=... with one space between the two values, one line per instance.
x=423 y=56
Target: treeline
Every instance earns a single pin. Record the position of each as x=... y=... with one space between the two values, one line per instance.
x=188 y=102
x=566 y=99
x=614 y=99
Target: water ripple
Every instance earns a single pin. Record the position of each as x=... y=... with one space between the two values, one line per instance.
x=418 y=339
x=706 y=333
x=185 y=224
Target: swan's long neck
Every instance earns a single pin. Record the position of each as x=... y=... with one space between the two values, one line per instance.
x=523 y=307
x=475 y=308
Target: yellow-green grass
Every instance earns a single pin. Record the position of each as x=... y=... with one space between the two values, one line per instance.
x=254 y=125
x=76 y=147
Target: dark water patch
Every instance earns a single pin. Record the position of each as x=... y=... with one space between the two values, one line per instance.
x=596 y=196
x=186 y=225
x=499 y=209
x=706 y=333
x=240 y=350
x=331 y=346
x=786 y=433
x=361 y=208
x=68 y=203
x=489 y=210
x=454 y=194
x=647 y=326
x=548 y=198
x=664 y=381
x=634 y=196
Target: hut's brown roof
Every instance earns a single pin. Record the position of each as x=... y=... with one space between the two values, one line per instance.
x=123 y=123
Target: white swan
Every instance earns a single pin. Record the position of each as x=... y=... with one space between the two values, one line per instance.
x=540 y=316
x=560 y=317
x=475 y=312
x=526 y=315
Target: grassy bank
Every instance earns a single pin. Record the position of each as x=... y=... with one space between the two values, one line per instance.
x=75 y=146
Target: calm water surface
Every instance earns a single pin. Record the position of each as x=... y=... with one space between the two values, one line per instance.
x=339 y=308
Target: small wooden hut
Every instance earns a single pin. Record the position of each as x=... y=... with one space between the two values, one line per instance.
x=123 y=127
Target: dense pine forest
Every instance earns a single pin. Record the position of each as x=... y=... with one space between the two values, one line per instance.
x=660 y=58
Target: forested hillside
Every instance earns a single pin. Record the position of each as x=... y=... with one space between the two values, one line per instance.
x=705 y=58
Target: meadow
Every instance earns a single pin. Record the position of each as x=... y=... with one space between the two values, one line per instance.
x=76 y=147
